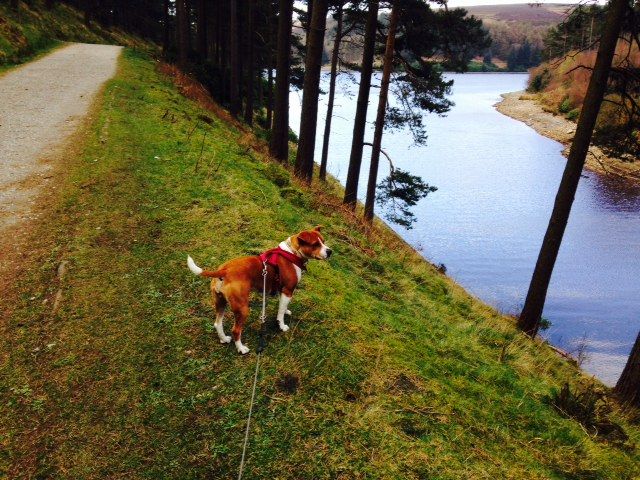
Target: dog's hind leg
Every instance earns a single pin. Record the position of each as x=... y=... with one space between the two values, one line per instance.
x=241 y=312
x=219 y=303
x=238 y=298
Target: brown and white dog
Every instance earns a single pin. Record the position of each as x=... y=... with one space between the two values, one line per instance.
x=234 y=280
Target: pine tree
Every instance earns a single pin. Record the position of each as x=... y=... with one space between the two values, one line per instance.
x=311 y=92
x=529 y=320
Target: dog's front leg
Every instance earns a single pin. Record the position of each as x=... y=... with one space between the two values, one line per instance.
x=282 y=309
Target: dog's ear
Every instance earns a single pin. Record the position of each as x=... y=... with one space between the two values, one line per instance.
x=306 y=237
x=317 y=228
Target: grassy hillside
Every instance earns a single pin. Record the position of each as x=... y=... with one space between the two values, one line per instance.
x=32 y=30
x=390 y=370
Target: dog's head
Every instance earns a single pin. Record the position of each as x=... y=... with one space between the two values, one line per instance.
x=310 y=243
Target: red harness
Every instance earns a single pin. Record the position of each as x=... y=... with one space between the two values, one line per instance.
x=271 y=258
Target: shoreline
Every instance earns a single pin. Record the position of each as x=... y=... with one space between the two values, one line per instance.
x=522 y=106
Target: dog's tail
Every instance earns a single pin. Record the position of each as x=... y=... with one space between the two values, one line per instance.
x=203 y=273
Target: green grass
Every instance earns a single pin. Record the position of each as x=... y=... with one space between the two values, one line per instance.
x=32 y=31
x=402 y=375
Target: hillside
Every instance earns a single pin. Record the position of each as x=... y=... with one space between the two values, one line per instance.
x=109 y=362
x=560 y=85
x=390 y=370
x=28 y=32
x=544 y=14
x=511 y=25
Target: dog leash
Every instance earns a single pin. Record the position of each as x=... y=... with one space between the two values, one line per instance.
x=259 y=350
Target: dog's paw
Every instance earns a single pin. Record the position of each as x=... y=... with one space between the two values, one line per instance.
x=225 y=339
x=284 y=328
x=288 y=312
x=242 y=349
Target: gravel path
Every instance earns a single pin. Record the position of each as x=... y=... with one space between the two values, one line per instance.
x=41 y=105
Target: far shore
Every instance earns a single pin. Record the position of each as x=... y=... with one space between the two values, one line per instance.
x=523 y=107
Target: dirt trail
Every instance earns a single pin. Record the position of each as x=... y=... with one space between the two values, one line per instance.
x=523 y=107
x=41 y=105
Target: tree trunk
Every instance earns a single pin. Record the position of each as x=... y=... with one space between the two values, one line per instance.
x=332 y=92
x=89 y=11
x=529 y=320
x=201 y=19
x=218 y=38
x=628 y=386
x=382 y=108
x=188 y=4
x=212 y=32
x=279 y=145
x=182 y=33
x=360 y=121
x=250 y=85
x=311 y=91
x=269 y=99
x=308 y=25
x=166 y=36
x=234 y=60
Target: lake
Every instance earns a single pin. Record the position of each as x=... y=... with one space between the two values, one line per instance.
x=497 y=179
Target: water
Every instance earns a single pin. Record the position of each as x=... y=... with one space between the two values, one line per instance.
x=497 y=179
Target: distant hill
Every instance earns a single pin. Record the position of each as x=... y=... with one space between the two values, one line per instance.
x=534 y=14
x=513 y=25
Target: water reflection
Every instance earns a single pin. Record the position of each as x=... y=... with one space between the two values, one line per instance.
x=614 y=193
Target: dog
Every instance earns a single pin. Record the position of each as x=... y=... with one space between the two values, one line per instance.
x=234 y=280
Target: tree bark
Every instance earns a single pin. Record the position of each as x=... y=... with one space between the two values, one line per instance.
x=628 y=386
x=332 y=93
x=311 y=91
x=182 y=33
x=234 y=61
x=360 y=121
x=308 y=26
x=382 y=108
x=250 y=84
x=201 y=25
x=212 y=32
x=279 y=145
x=269 y=98
x=166 y=35
x=189 y=9
x=529 y=320
x=88 y=13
